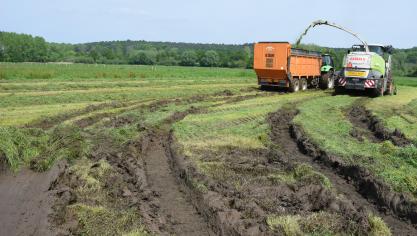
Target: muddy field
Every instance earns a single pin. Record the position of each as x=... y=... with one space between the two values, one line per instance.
x=225 y=162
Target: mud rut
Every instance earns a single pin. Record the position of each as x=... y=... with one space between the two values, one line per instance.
x=369 y=126
x=282 y=135
x=180 y=215
x=155 y=187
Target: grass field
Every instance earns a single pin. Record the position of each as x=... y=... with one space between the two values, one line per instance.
x=101 y=119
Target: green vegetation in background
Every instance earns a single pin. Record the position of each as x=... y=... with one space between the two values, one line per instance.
x=25 y=48
x=325 y=117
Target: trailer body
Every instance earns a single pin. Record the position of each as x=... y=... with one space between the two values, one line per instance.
x=277 y=64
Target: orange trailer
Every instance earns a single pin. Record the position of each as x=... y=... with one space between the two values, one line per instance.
x=277 y=64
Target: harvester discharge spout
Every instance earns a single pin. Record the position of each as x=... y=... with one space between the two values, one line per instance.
x=324 y=22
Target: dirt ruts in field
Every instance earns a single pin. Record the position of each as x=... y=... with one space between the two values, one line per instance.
x=26 y=202
x=296 y=147
x=237 y=196
x=180 y=216
x=365 y=124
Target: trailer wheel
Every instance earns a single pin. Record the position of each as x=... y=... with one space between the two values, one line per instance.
x=303 y=84
x=327 y=80
x=294 y=85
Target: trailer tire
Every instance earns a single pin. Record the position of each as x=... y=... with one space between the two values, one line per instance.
x=303 y=84
x=327 y=80
x=294 y=85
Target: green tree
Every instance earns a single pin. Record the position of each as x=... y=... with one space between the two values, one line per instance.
x=210 y=58
x=188 y=58
x=143 y=58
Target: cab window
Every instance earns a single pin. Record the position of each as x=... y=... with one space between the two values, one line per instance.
x=376 y=49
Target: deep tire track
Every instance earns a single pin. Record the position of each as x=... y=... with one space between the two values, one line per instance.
x=367 y=125
x=180 y=215
x=281 y=125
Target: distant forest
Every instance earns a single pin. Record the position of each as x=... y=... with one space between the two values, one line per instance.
x=26 y=48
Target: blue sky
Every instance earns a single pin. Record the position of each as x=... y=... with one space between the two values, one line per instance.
x=212 y=21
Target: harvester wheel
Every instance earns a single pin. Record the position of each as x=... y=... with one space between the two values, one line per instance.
x=303 y=84
x=327 y=80
x=379 y=92
x=339 y=90
x=391 y=89
x=294 y=85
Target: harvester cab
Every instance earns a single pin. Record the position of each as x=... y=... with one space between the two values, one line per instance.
x=367 y=68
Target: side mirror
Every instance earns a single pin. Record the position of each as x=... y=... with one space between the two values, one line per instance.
x=389 y=49
x=348 y=52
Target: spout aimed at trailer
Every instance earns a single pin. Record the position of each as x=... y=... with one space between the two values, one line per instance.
x=277 y=64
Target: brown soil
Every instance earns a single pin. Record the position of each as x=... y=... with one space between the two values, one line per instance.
x=356 y=183
x=180 y=217
x=301 y=150
x=238 y=200
x=153 y=177
x=144 y=181
x=26 y=202
x=367 y=125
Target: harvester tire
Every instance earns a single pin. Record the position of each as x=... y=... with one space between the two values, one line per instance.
x=379 y=92
x=339 y=90
x=391 y=89
x=327 y=80
x=294 y=85
x=303 y=84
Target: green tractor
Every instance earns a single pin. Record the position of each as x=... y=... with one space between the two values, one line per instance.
x=367 y=67
x=327 y=72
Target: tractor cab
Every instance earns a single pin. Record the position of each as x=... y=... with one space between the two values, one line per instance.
x=327 y=60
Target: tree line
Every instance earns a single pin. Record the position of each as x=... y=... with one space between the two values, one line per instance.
x=26 y=48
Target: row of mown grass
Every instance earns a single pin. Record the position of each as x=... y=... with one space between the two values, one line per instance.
x=25 y=99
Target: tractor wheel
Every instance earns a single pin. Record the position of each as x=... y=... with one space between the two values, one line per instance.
x=327 y=80
x=294 y=85
x=303 y=84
